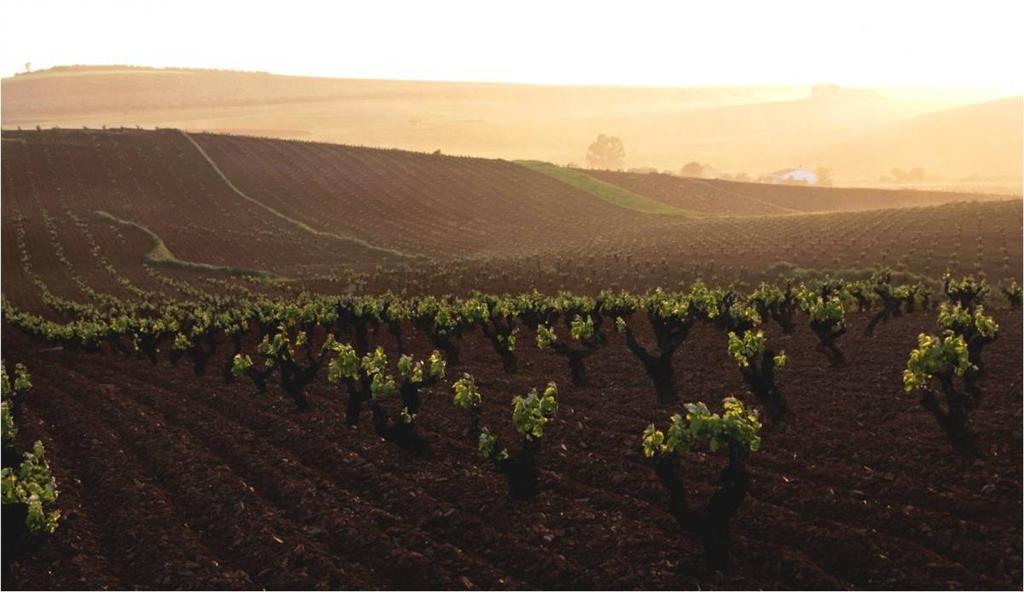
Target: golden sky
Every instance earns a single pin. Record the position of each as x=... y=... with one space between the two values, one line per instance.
x=943 y=44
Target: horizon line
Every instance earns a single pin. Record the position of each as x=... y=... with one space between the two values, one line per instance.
x=941 y=87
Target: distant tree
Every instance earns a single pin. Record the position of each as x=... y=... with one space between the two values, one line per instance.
x=28 y=66
x=824 y=176
x=606 y=152
x=693 y=169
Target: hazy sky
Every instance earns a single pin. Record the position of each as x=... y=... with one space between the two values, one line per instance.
x=937 y=43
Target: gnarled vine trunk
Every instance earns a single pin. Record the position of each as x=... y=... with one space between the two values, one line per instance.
x=709 y=524
x=521 y=471
x=953 y=419
x=760 y=377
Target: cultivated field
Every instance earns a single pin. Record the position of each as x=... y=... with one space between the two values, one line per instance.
x=304 y=210
x=185 y=305
x=715 y=196
x=171 y=480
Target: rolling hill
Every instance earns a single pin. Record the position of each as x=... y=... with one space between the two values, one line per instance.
x=983 y=141
x=859 y=133
x=107 y=208
x=715 y=196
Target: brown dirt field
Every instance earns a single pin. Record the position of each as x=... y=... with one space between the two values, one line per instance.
x=435 y=205
x=523 y=229
x=731 y=198
x=157 y=180
x=169 y=480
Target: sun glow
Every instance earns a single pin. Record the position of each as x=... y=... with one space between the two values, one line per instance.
x=865 y=43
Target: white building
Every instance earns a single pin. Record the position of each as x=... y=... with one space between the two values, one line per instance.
x=799 y=175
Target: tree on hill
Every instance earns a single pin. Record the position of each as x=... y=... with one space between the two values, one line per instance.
x=693 y=169
x=824 y=175
x=606 y=152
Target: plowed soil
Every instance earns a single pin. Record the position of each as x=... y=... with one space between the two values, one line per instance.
x=733 y=198
x=304 y=202
x=169 y=480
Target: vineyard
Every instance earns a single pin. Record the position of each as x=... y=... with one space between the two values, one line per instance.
x=343 y=218
x=247 y=363
x=716 y=196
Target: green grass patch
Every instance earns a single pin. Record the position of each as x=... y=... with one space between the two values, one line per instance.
x=613 y=194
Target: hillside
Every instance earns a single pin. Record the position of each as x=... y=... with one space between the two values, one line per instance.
x=983 y=141
x=67 y=195
x=497 y=120
x=715 y=196
x=753 y=130
x=94 y=206
x=192 y=278
x=430 y=204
